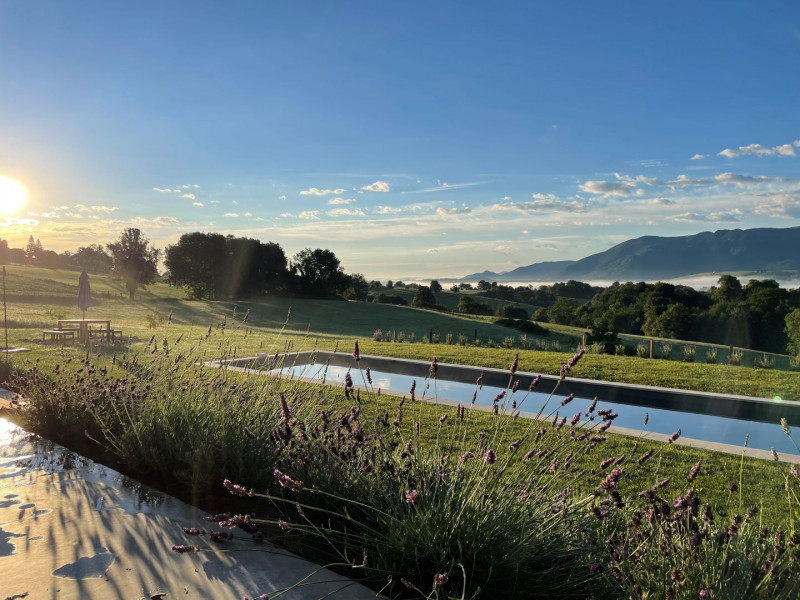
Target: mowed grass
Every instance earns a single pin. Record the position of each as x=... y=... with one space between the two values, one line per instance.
x=274 y=322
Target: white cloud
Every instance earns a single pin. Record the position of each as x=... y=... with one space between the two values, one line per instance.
x=453 y=211
x=309 y=214
x=286 y=215
x=544 y=203
x=317 y=192
x=281 y=197
x=345 y=212
x=230 y=214
x=780 y=206
x=699 y=156
x=445 y=186
x=662 y=201
x=388 y=210
x=378 y=186
x=729 y=216
x=164 y=190
x=759 y=150
x=607 y=188
x=189 y=196
x=197 y=204
x=96 y=209
x=335 y=201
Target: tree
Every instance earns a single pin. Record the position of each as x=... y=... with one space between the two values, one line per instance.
x=197 y=262
x=135 y=259
x=93 y=258
x=356 y=287
x=423 y=298
x=319 y=272
x=436 y=287
x=469 y=306
x=509 y=311
x=5 y=255
x=563 y=311
x=793 y=331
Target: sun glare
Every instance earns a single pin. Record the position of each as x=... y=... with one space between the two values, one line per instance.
x=12 y=195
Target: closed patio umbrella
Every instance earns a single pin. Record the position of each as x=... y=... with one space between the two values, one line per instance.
x=84 y=293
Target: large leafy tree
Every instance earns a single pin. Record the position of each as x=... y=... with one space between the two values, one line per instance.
x=197 y=262
x=319 y=272
x=93 y=258
x=135 y=259
x=793 y=331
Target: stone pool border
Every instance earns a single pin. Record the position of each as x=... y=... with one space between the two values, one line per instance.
x=724 y=405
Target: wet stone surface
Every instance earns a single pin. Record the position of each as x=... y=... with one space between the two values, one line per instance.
x=74 y=529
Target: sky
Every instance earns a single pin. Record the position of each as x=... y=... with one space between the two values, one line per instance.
x=413 y=139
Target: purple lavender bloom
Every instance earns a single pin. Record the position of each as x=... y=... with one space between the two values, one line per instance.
x=567 y=400
x=490 y=457
x=514 y=445
x=479 y=381
x=515 y=387
x=369 y=376
x=287 y=482
x=442 y=419
x=534 y=382
x=411 y=496
x=286 y=412
x=440 y=580
x=704 y=594
x=434 y=367
x=348 y=381
x=695 y=470
x=514 y=364
x=413 y=388
x=356 y=352
x=675 y=436
x=250 y=434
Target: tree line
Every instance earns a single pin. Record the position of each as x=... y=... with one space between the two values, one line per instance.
x=208 y=265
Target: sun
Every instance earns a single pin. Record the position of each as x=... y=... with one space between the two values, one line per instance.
x=12 y=195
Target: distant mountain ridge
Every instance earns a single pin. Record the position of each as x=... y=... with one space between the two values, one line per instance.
x=654 y=257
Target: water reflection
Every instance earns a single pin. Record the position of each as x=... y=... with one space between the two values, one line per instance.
x=697 y=426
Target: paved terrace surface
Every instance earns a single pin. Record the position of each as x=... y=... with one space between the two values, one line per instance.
x=74 y=529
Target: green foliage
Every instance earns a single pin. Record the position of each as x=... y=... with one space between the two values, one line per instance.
x=711 y=355
x=792 y=321
x=666 y=350
x=509 y=311
x=689 y=352
x=763 y=362
x=563 y=311
x=468 y=305
x=319 y=273
x=423 y=298
x=135 y=259
x=155 y=319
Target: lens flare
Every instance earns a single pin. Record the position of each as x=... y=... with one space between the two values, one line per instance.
x=12 y=195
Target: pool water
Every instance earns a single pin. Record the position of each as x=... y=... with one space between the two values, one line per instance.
x=693 y=425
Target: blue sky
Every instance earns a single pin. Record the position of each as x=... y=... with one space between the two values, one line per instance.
x=413 y=139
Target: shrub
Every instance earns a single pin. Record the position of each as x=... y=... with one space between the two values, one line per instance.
x=154 y=319
x=524 y=342
x=765 y=361
x=556 y=345
x=735 y=357
x=794 y=363
x=711 y=355
x=689 y=352
x=642 y=351
x=412 y=337
x=541 y=344
x=620 y=350
x=377 y=335
x=508 y=342
x=462 y=339
x=401 y=336
x=666 y=350
x=449 y=340
x=597 y=348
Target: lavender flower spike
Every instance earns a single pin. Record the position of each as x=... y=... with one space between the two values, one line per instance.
x=356 y=352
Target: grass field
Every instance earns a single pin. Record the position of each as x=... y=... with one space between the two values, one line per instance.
x=183 y=428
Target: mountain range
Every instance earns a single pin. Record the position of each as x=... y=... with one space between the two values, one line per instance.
x=653 y=257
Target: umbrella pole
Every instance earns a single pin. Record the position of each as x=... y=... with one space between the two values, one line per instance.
x=5 y=314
